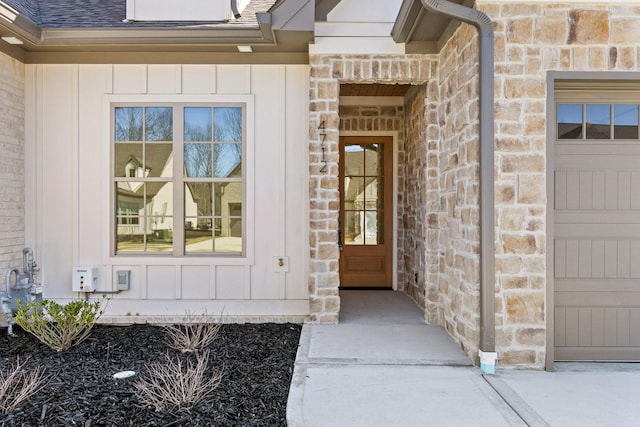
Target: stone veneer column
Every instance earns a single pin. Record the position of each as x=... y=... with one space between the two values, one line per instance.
x=11 y=164
x=327 y=72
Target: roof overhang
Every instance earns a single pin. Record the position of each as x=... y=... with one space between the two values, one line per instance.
x=423 y=31
x=286 y=29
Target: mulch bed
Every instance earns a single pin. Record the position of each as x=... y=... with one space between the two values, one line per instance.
x=257 y=360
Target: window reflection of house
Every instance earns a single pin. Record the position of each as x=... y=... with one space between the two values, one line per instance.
x=146 y=208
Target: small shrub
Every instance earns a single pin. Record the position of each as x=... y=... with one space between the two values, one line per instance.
x=17 y=385
x=59 y=326
x=191 y=336
x=178 y=384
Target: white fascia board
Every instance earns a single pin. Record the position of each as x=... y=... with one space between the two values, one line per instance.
x=184 y=10
x=364 y=11
x=356 y=46
x=353 y=29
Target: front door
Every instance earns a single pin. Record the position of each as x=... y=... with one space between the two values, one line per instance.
x=366 y=211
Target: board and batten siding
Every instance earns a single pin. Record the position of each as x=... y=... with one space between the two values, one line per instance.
x=68 y=119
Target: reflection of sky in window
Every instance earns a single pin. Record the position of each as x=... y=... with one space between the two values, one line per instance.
x=353 y=148
x=570 y=113
x=598 y=114
x=227 y=158
x=227 y=124
x=197 y=124
x=625 y=115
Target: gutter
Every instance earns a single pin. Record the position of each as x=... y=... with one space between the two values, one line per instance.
x=487 y=228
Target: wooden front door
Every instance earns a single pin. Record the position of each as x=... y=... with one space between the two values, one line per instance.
x=366 y=211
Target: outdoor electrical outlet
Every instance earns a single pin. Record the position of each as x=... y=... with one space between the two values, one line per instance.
x=281 y=264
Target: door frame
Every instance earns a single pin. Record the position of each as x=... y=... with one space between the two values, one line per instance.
x=394 y=166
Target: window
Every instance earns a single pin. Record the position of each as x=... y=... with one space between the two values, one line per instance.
x=179 y=164
x=597 y=121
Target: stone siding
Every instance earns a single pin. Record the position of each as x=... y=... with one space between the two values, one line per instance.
x=12 y=187
x=414 y=194
x=532 y=39
x=327 y=72
x=454 y=213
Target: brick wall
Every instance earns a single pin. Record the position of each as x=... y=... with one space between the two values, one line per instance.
x=11 y=164
x=327 y=72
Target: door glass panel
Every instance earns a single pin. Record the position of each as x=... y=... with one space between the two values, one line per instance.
x=569 y=121
x=353 y=193
x=598 y=121
x=353 y=225
x=373 y=228
x=374 y=160
x=625 y=121
x=353 y=160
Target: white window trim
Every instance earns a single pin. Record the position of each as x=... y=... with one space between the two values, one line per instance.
x=107 y=177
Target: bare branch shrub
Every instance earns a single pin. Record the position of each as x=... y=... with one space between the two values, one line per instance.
x=191 y=335
x=175 y=383
x=17 y=385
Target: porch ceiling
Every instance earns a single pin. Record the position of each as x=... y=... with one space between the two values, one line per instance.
x=423 y=31
x=373 y=89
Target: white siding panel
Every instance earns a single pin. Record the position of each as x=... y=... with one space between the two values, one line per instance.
x=56 y=216
x=161 y=282
x=195 y=282
x=164 y=79
x=296 y=167
x=233 y=79
x=73 y=219
x=91 y=170
x=230 y=282
x=198 y=79
x=129 y=78
x=269 y=148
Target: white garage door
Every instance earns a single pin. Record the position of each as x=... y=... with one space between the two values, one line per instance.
x=597 y=225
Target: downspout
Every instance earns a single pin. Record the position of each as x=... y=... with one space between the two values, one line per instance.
x=487 y=232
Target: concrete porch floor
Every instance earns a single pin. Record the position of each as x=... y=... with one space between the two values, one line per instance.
x=383 y=366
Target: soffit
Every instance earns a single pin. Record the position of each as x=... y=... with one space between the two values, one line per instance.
x=423 y=30
x=373 y=89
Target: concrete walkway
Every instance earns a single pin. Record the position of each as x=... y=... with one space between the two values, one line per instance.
x=382 y=366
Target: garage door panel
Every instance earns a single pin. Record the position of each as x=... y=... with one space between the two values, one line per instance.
x=597 y=326
x=597 y=190
x=596 y=247
x=598 y=231
x=620 y=354
x=597 y=299
x=597 y=258
x=595 y=217
x=597 y=285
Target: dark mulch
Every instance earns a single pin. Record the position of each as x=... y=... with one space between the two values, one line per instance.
x=257 y=360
